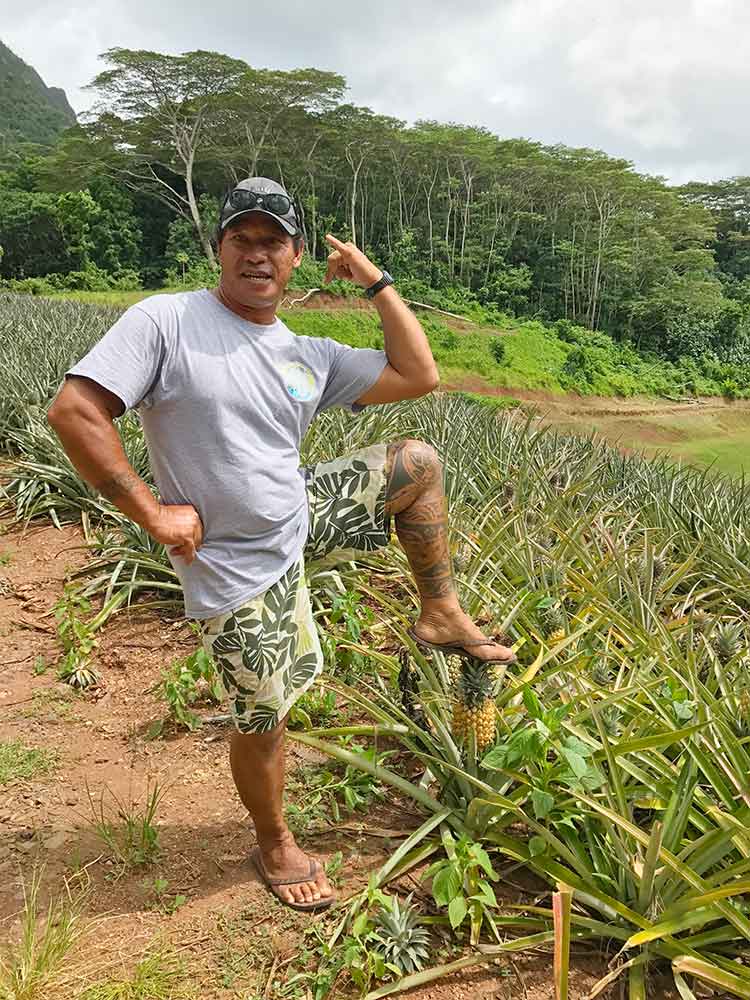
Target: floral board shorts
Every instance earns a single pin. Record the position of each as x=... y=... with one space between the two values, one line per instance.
x=267 y=652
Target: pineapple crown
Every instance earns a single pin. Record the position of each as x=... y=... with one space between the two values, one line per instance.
x=405 y=944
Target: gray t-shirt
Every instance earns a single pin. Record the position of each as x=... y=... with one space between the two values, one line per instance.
x=224 y=405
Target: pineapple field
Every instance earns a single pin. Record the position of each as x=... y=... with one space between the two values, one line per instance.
x=577 y=825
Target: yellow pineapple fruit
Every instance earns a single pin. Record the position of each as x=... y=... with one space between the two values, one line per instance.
x=474 y=705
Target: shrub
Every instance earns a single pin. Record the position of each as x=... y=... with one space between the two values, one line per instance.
x=730 y=389
x=497 y=350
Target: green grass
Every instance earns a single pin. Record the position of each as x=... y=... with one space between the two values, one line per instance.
x=18 y=762
x=33 y=966
x=128 y=829
x=718 y=435
x=729 y=454
x=113 y=298
x=158 y=976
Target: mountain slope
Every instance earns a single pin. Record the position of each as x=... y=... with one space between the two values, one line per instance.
x=29 y=110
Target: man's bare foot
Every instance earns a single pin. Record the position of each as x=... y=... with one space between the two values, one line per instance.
x=455 y=627
x=282 y=859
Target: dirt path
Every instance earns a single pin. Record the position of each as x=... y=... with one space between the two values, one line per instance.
x=228 y=932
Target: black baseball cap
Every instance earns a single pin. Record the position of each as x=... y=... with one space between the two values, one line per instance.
x=270 y=199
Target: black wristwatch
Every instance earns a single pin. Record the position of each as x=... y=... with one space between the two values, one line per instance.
x=383 y=282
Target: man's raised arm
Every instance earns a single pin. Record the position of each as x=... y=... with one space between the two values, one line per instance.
x=82 y=415
x=411 y=369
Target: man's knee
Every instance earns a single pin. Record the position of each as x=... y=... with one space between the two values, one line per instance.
x=418 y=457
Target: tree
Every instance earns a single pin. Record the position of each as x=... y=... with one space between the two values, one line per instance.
x=154 y=111
x=30 y=234
x=254 y=116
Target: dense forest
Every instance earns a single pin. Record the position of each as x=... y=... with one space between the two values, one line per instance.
x=129 y=196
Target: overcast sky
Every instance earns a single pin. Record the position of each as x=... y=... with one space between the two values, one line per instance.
x=664 y=83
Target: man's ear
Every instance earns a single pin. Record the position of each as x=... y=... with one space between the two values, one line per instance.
x=299 y=253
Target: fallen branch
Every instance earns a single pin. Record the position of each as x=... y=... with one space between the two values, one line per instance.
x=290 y=303
x=443 y=312
x=295 y=302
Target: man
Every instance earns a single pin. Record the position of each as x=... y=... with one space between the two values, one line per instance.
x=225 y=393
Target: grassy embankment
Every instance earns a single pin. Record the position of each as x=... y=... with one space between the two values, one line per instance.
x=527 y=361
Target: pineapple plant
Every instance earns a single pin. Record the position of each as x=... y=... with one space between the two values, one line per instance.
x=701 y=624
x=462 y=557
x=405 y=944
x=82 y=677
x=474 y=703
x=659 y=566
x=552 y=623
x=601 y=673
x=743 y=721
x=728 y=640
x=408 y=682
x=612 y=720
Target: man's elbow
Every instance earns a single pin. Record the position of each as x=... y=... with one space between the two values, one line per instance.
x=55 y=414
x=430 y=382
x=61 y=411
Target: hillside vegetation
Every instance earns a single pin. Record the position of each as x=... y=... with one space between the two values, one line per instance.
x=30 y=111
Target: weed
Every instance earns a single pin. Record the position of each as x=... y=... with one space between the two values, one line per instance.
x=329 y=788
x=161 y=899
x=242 y=955
x=132 y=839
x=158 y=976
x=31 y=967
x=18 y=761
x=345 y=621
x=77 y=639
x=461 y=881
x=6 y=558
x=40 y=665
x=187 y=682
x=316 y=707
x=50 y=704
x=334 y=865
x=361 y=954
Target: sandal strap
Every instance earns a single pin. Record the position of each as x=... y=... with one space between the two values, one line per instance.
x=471 y=642
x=310 y=877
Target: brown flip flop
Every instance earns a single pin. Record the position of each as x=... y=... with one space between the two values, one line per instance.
x=272 y=883
x=459 y=650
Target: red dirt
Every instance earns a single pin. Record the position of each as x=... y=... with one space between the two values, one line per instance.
x=229 y=932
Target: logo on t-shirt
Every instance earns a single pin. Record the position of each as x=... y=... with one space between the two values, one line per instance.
x=299 y=381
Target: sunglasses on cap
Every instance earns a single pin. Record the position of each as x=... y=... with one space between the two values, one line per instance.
x=241 y=200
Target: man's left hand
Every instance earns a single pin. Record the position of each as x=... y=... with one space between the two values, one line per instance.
x=349 y=263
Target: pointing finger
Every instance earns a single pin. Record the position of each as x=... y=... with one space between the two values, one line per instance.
x=335 y=243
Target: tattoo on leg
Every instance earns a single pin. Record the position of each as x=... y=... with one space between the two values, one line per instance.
x=415 y=495
x=413 y=469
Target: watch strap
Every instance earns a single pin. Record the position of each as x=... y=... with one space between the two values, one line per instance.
x=382 y=282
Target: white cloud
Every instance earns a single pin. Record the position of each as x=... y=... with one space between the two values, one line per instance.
x=660 y=83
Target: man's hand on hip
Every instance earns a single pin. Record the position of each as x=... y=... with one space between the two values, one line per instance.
x=349 y=263
x=179 y=527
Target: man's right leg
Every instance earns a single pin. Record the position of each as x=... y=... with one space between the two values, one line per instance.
x=267 y=654
x=257 y=761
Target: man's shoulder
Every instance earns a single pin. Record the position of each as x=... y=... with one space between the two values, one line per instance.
x=171 y=304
